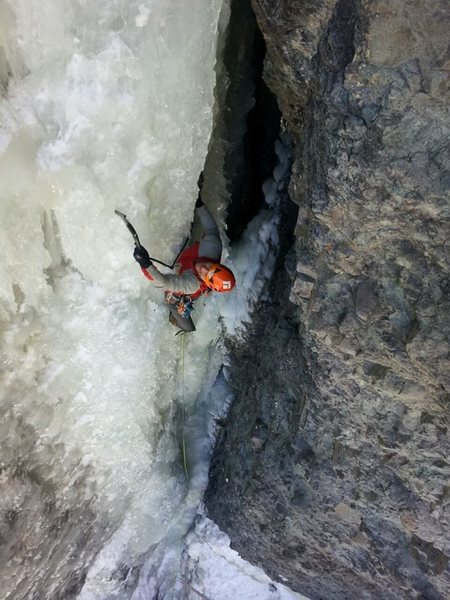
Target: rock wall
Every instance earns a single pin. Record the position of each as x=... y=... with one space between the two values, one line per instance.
x=333 y=470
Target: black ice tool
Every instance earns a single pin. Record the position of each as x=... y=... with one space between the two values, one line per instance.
x=130 y=227
x=137 y=242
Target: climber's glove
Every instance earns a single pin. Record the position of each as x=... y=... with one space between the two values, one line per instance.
x=141 y=256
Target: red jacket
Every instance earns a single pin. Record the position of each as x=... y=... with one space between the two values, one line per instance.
x=185 y=280
x=186 y=262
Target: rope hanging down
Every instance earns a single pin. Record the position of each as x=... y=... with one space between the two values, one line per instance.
x=192 y=588
x=183 y=423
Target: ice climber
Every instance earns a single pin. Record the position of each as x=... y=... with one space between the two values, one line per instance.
x=198 y=270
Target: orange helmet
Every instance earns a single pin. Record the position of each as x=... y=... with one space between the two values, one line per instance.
x=219 y=278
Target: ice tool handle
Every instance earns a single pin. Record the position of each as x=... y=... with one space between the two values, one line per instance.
x=137 y=242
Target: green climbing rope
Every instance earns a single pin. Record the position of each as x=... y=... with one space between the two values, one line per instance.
x=183 y=441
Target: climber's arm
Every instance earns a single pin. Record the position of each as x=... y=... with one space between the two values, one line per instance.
x=187 y=283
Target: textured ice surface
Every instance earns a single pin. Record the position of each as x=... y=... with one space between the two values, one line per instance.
x=105 y=104
x=217 y=571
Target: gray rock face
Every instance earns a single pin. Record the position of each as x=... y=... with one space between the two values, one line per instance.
x=333 y=471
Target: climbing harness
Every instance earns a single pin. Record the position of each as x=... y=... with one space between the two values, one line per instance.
x=182 y=303
x=185 y=307
x=138 y=244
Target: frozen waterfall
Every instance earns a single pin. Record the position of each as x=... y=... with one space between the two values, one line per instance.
x=105 y=104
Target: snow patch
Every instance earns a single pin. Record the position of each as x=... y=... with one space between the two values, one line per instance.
x=217 y=571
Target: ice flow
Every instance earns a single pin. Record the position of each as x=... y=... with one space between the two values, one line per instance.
x=104 y=105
